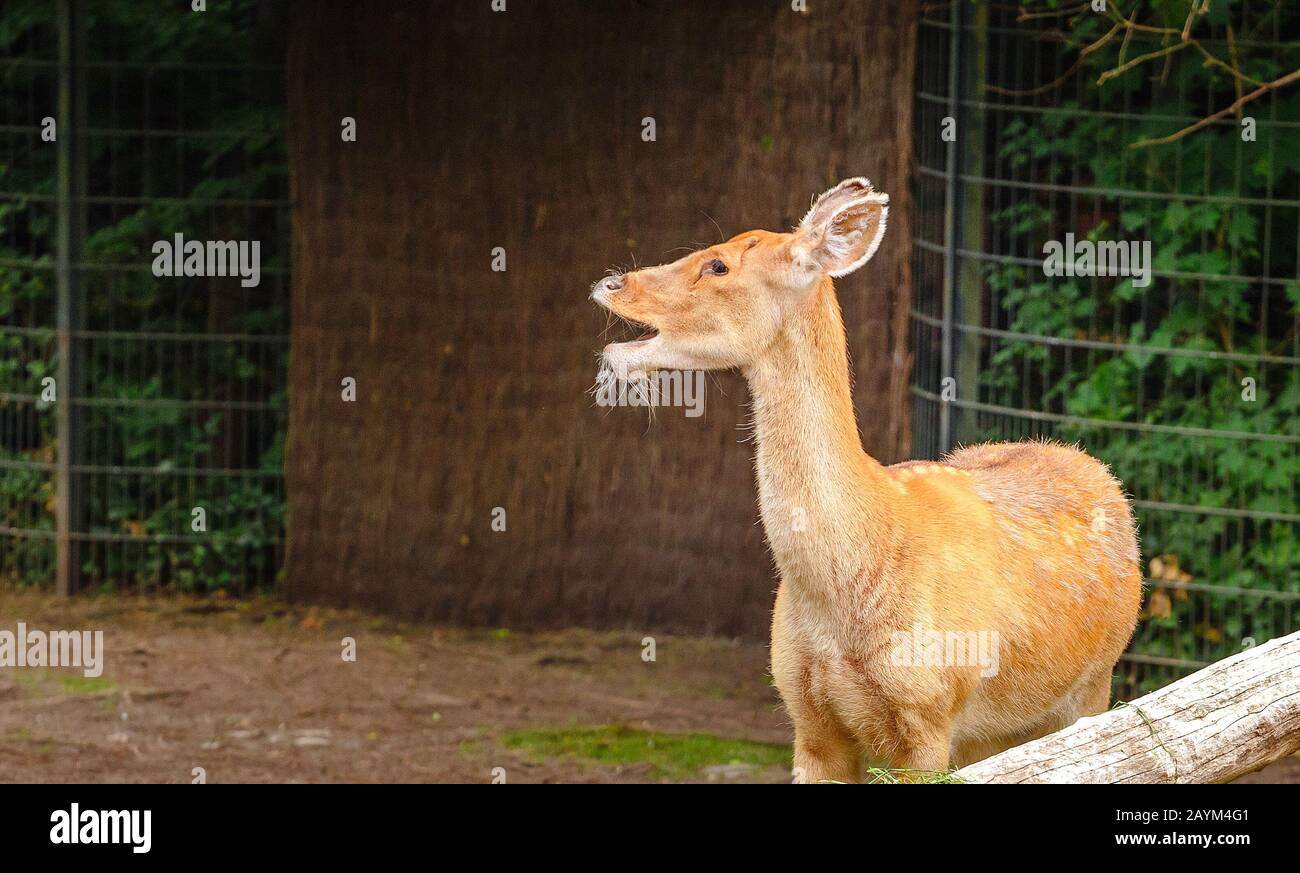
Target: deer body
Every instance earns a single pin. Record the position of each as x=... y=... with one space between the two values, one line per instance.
x=893 y=577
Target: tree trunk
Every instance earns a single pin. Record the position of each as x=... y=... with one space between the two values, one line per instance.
x=1230 y=719
x=523 y=130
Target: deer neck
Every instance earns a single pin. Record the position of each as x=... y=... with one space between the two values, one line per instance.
x=824 y=501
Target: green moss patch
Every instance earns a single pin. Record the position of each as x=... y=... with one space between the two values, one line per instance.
x=673 y=756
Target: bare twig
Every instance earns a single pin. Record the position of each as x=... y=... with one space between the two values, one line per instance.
x=1130 y=27
x=1280 y=82
x=1236 y=65
x=1191 y=16
x=1141 y=59
x=1061 y=79
x=1098 y=43
x=1026 y=15
x=1030 y=92
x=1237 y=75
x=1123 y=46
x=1129 y=24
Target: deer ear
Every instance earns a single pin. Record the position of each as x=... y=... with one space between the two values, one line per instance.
x=844 y=227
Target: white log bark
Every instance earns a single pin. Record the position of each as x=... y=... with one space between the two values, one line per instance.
x=1231 y=718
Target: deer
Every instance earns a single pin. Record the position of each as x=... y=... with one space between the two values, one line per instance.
x=888 y=574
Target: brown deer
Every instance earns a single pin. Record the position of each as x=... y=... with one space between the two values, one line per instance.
x=929 y=614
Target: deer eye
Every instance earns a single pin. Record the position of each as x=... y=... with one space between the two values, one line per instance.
x=716 y=267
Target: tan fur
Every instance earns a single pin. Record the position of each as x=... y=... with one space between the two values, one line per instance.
x=1031 y=543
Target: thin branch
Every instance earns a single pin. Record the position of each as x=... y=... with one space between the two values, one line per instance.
x=1191 y=16
x=1123 y=46
x=1133 y=25
x=1031 y=92
x=1281 y=82
x=1237 y=76
x=1061 y=79
x=1092 y=47
x=1130 y=27
x=1026 y=15
x=1236 y=65
x=1141 y=59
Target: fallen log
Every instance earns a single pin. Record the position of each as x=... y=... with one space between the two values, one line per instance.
x=1227 y=720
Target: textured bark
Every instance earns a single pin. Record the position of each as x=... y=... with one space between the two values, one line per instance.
x=523 y=130
x=1225 y=721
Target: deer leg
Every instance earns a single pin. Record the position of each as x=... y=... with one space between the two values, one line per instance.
x=824 y=754
x=925 y=751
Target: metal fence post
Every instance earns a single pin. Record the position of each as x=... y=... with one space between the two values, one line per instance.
x=70 y=234
x=951 y=223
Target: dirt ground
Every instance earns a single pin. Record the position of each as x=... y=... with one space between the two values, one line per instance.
x=258 y=691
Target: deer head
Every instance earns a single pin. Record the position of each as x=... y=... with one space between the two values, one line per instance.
x=725 y=305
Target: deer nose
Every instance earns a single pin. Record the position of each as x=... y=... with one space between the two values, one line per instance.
x=604 y=287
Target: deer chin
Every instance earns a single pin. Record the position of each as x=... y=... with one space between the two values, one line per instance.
x=634 y=358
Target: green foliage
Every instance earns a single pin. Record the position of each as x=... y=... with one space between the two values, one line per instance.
x=158 y=409
x=1204 y=204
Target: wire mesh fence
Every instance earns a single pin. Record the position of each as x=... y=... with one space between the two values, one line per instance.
x=1187 y=380
x=142 y=407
